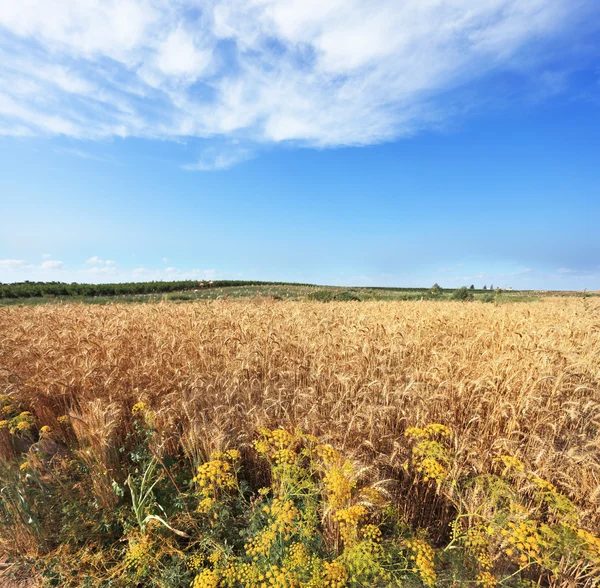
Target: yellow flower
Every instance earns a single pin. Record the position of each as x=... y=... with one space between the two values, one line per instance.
x=511 y=462
x=486 y=579
x=423 y=556
x=349 y=519
x=206 y=579
x=196 y=561
x=205 y=505
x=334 y=575
x=233 y=454
x=139 y=407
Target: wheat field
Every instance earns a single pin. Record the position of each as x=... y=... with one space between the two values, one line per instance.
x=520 y=379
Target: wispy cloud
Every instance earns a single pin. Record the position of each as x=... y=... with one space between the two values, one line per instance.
x=315 y=72
x=85 y=155
x=216 y=159
x=95 y=260
x=14 y=266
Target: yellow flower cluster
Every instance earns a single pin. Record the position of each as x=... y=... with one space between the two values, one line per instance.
x=45 y=431
x=511 y=462
x=205 y=505
x=298 y=556
x=240 y=573
x=196 y=561
x=139 y=407
x=213 y=476
x=544 y=484
x=206 y=579
x=339 y=488
x=273 y=441
x=423 y=555
x=349 y=519
x=428 y=432
x=526 y=538
x=285 y=457
x=249 y=576
x=139 y=555
x=329 y=456
x=591 y=544
x=277 y=578
x=283 y=515
x=231 y=455
x=334 y=575
x=372 y=533
x=22 y=423
x=486 y=579
x=4 y=424
x=24 y=466
x=8 y=409
x=63 y=420
x=260 y=545
x=431 y=469
x=428 y=458
x=477 y=538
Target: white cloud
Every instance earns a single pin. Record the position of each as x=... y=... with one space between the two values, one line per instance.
x=319 y=72
x=178 y=56
x=84 y=155
x=565 y=270
x=13 y=264
x=52 y=264
x=212 y=159
x=95 y=260
x=24 y=270
x=46 y=255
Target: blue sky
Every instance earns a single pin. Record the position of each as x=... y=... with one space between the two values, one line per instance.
x=351 y=143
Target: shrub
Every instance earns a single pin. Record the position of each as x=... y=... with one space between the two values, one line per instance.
x=462 y=294
x=436 y=290
x=321 y=295
x=347 y=296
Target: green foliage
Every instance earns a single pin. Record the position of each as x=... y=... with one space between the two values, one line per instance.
x=60 y=289
x=331 y=295
x=462 y=294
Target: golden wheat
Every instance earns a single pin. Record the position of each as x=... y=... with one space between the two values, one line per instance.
x=519 y=379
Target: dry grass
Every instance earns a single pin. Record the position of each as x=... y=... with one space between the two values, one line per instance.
x=519 y=379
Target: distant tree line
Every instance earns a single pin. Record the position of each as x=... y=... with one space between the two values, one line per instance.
x=39 y=289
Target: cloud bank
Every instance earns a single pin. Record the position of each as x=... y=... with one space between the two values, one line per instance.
x=320 y=73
